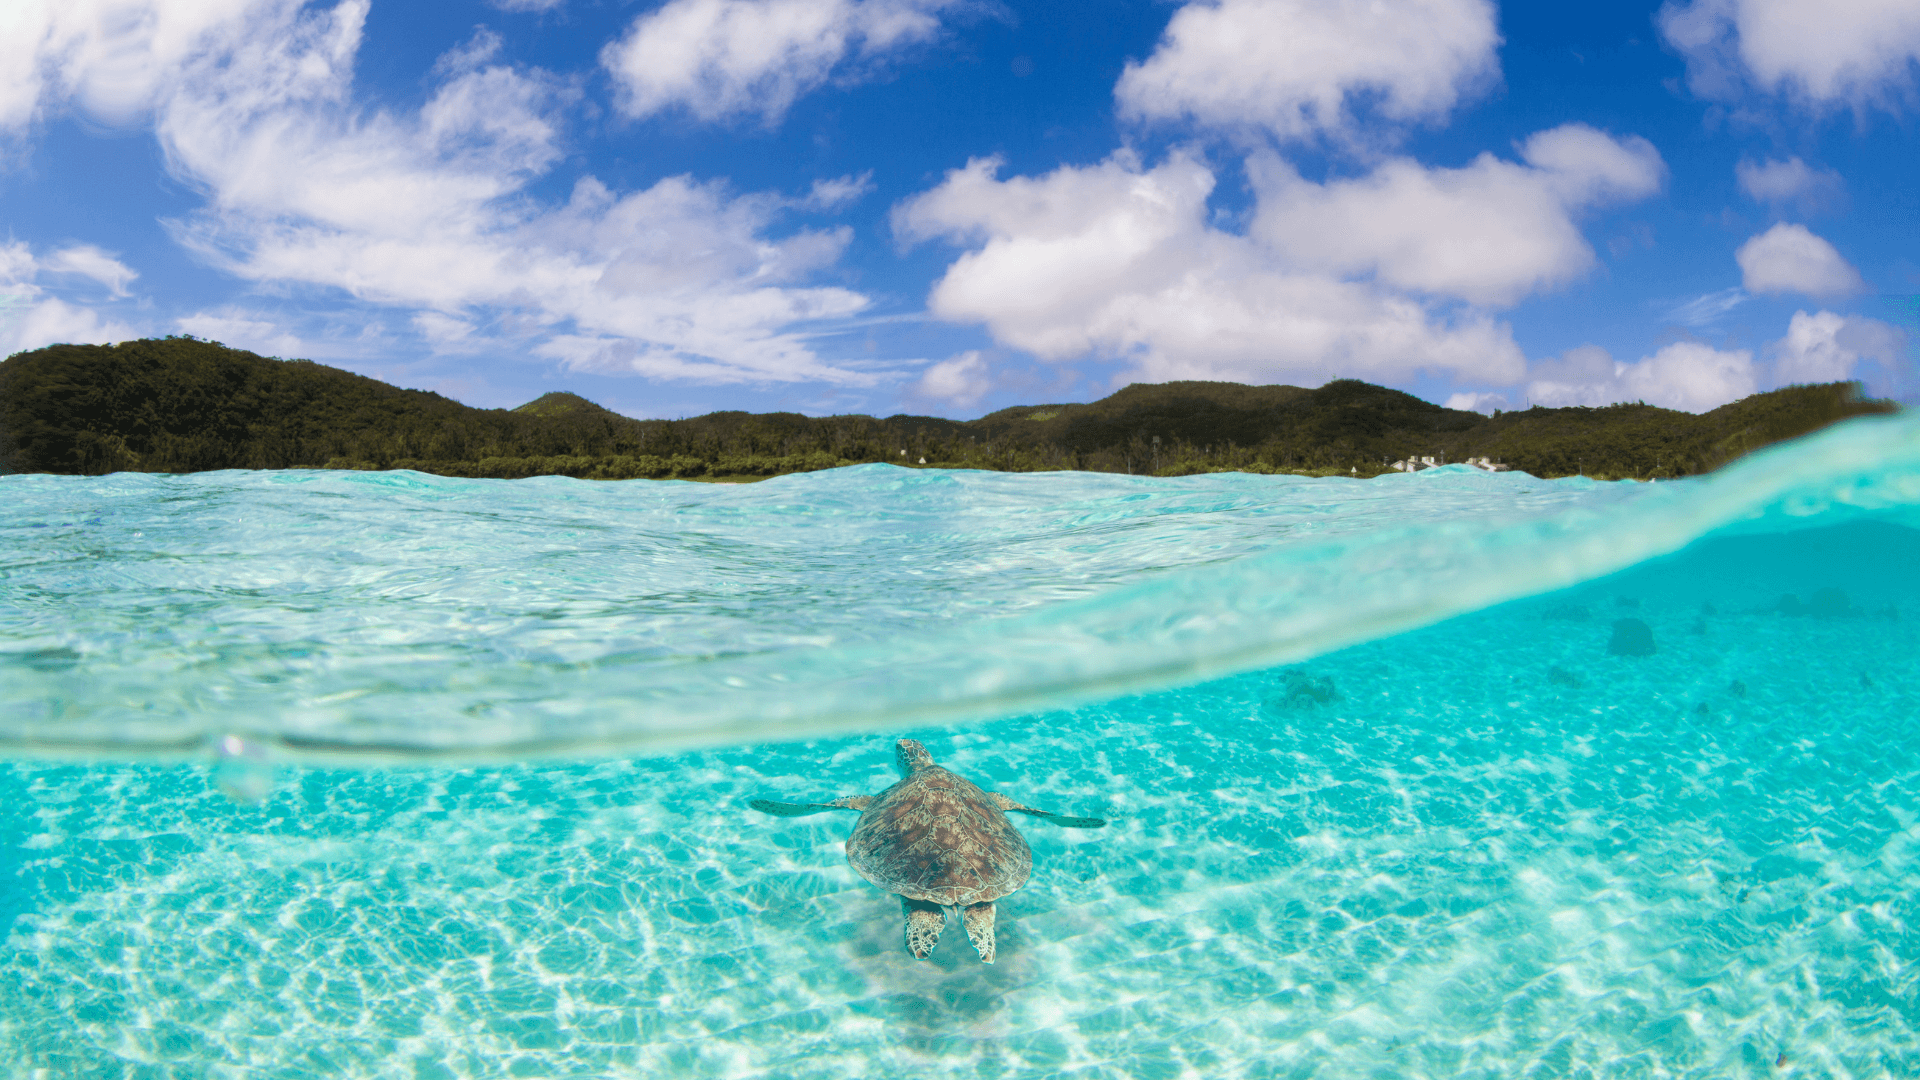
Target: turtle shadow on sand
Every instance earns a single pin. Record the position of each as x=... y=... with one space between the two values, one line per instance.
x=946 y=1009
x=941 y=843
x=949 y=994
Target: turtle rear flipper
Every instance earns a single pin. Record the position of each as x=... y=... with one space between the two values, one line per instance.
x=924 y=923
x=787 y=809
x=979 y=921
x=1061 y=820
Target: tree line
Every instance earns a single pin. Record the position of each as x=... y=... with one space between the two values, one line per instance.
x=180 y=404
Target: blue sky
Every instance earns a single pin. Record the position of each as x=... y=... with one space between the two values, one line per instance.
x=951 y=206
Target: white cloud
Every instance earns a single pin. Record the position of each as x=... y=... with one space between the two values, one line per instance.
x=49 y=320
x=483 y=46
x=445 y=333
x=429 y=212
x=1686 y=375
x=1707 y=309
x=1488 y=233
x=836 y=193
x=1295 y=67
x=30 y=318
x=1790 y=259
x=1846 y=51
x=241 y=330
x=111 y=57
x=1586 y=166
x=1789 y=183
x=17 y=264
x=723 y=58
x=1825 y=347
x=89 y=261
x=1119 y=261
x=960 y=381
x=1470 y=401
x=1695 y=377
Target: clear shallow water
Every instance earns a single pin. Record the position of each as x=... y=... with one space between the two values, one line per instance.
x=398 y=615
x=400 y=610
x=1493 y=849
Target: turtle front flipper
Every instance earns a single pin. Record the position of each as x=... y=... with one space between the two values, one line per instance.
x=979 y=920
x=1061 y=820
x=924 y=923
x=788 y=809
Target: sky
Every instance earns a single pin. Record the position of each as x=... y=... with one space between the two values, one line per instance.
x=948 y=207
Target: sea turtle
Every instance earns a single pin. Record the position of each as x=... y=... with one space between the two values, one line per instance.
x=940 y=842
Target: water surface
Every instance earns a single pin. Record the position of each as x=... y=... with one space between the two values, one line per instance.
x=1383 y=801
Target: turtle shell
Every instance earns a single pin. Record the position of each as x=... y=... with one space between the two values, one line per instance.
x=937 y=837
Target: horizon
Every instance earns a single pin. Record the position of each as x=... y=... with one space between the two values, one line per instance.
x=964 y=418
x=678 y=208
x=1858 y=389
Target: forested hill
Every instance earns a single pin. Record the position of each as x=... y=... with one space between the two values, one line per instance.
x=184 y=405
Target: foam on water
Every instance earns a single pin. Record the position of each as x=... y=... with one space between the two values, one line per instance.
x=1485 y=847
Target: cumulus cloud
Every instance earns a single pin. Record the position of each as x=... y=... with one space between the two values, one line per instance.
x=1686 y=375
x=1695 y=377
x=30 y=317
x=1349 y=277
x=1855 y=52
x=113 y=58
x=445 y=333
x=1296 y=68
x=89 y=261
x=428 y=211
x=1119 y=260
x=49 y=320
x=1790 y=259
x=1470 y=401
x=1825 y=347
x=1488 y=233
x=723 y=58
x=17 y=264
x=836 y=193
x=960 y=381
x=244 y=330
x=1789 y=183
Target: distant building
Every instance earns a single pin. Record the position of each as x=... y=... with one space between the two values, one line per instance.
x=1420 y=463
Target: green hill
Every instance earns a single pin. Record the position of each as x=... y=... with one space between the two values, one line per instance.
x=183 y=405
x=563 y=403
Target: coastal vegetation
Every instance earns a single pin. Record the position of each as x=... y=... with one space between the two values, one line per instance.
x=180 y=404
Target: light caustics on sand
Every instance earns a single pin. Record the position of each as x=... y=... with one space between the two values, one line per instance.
x=349 y=616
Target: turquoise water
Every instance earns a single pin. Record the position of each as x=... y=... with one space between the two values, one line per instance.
x=397 y=775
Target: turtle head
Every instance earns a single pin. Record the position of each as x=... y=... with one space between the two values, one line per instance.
x=912 y=756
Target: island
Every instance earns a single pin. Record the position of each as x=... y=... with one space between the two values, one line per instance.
x=180 y=405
